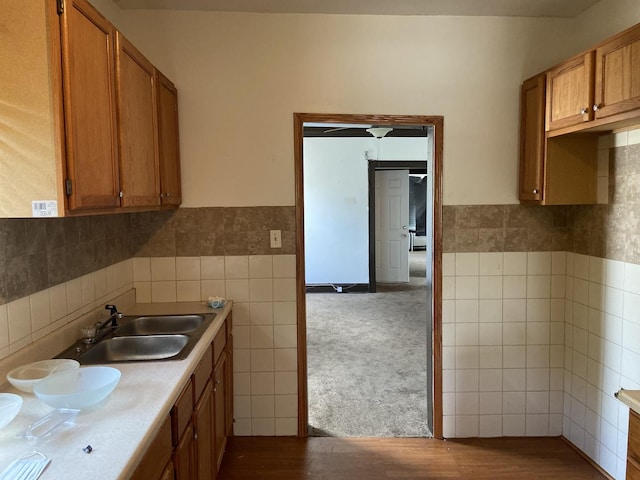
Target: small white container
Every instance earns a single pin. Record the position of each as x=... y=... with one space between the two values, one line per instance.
x=78 y=389
x=26 y=376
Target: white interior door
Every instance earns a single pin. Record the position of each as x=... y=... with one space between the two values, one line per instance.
x=392 y=226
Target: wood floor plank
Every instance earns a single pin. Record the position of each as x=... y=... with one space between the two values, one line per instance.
x=331 y=458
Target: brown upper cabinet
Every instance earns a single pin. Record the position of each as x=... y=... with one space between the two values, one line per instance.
x=138 y=126
x=120 y=117
x=565 y=109
x=98 y=125
x=532 y=140
x=570 y=92
x=169 y=145
x=617 y=80
x=88 y=69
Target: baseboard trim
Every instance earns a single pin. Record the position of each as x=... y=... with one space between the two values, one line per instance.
x=337 y=288
x=586 y=457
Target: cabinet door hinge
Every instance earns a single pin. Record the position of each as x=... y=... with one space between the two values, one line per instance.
x=67 y=184
x=60 y=6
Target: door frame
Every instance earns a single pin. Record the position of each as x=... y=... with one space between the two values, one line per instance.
x=298 y=136
x=372 y=167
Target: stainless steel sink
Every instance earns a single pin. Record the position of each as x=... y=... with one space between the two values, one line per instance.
x=154 y=325
x=144 y=338
x=134 y=349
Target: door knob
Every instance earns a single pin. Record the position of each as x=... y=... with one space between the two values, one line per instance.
x=404 y=235
x=596 y=107
x=583 y=111
x=404 y=227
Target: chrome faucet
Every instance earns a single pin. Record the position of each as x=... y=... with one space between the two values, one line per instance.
x=113 y=319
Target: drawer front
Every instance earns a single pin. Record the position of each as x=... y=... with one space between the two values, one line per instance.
x=634 y=436
x=181 y=412
x=203 y=373
x=219 y=342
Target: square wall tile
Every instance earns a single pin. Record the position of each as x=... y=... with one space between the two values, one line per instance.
x=490 y=334
x=514 y=286
x=287 y=426
x=213 y=288
x=19 y=319
x=263 y=427
x=490 y=311
x=286 y=406
x=242 y=406
x=242 y=427
x=285 y=336
x=212 y=268
x=188 y=290
x=285 y=359
x=513 y=425
x=490 y=357
x=515 y=263
x=466 y=311
x=188 y=268
x=284 y=313
x=241 y=359
x=539 y=263
x=262 y=383
x=513 y=403
x=260 y=266
x=286 y=383
x=490 y=426
x=514 y=310
x=261 y=313
x=236 y=266
x=40 y=310
x=284 y=289
x=260 y=290
x=284 y=266
x=491 y=264
x=467 y=264
x=262 y=360
x=58 y=301
x=490 y=287
x=467 y=426
x=141 y=269
x=163 y=268
x=74 y=295
x=237 y=290
x=466 y=287
x=262 y=336
x=163 y=292
x=490 y=403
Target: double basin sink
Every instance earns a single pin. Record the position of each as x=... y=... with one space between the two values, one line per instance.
x=143 y=338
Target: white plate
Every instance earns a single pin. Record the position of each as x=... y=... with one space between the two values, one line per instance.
x=26 y=376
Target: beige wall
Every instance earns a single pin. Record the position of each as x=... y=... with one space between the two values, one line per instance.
x=235 y=71
x=604 y=19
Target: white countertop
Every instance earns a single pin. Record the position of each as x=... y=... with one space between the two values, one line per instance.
x=631 y=398
x=120 y=428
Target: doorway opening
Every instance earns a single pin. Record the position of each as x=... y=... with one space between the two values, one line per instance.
x=432 y=261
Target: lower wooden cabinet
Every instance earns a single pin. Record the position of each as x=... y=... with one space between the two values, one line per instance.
x=155 y=461
x=633 y=450
x=192 y=440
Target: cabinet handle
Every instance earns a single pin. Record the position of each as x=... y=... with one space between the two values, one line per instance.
x=596 y=107
x=583 y=111
x=535 y=191
x=217 y=382
x=195 y=435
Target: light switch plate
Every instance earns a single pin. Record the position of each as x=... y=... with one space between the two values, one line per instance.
x=275 y=237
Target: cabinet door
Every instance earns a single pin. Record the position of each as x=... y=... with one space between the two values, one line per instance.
x=618 y=75
x=170 y=184
x=203 y=434
x=168 y=473
x=183 y=456
x=138 y=142
x=89 y=107
x=570 y=93
x=228 y=387
x=532 y=139
x=219 y=394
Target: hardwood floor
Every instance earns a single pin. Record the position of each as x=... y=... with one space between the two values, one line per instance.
x=331 y=458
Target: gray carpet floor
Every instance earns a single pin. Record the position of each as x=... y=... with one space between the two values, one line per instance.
x=366 y=357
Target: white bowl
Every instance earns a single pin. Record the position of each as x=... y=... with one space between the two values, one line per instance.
x=25 y=377
x=80 y=388
x=10 y=405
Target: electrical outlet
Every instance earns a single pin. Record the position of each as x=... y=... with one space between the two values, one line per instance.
x=275 y=237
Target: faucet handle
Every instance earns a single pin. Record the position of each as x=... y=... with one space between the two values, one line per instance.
x=112 y=309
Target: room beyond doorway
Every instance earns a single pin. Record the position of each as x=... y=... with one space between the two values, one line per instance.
x=433 y=342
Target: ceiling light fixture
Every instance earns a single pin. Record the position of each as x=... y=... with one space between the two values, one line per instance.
x=379 y=132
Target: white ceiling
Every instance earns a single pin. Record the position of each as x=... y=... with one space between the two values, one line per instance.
x=518 y=8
